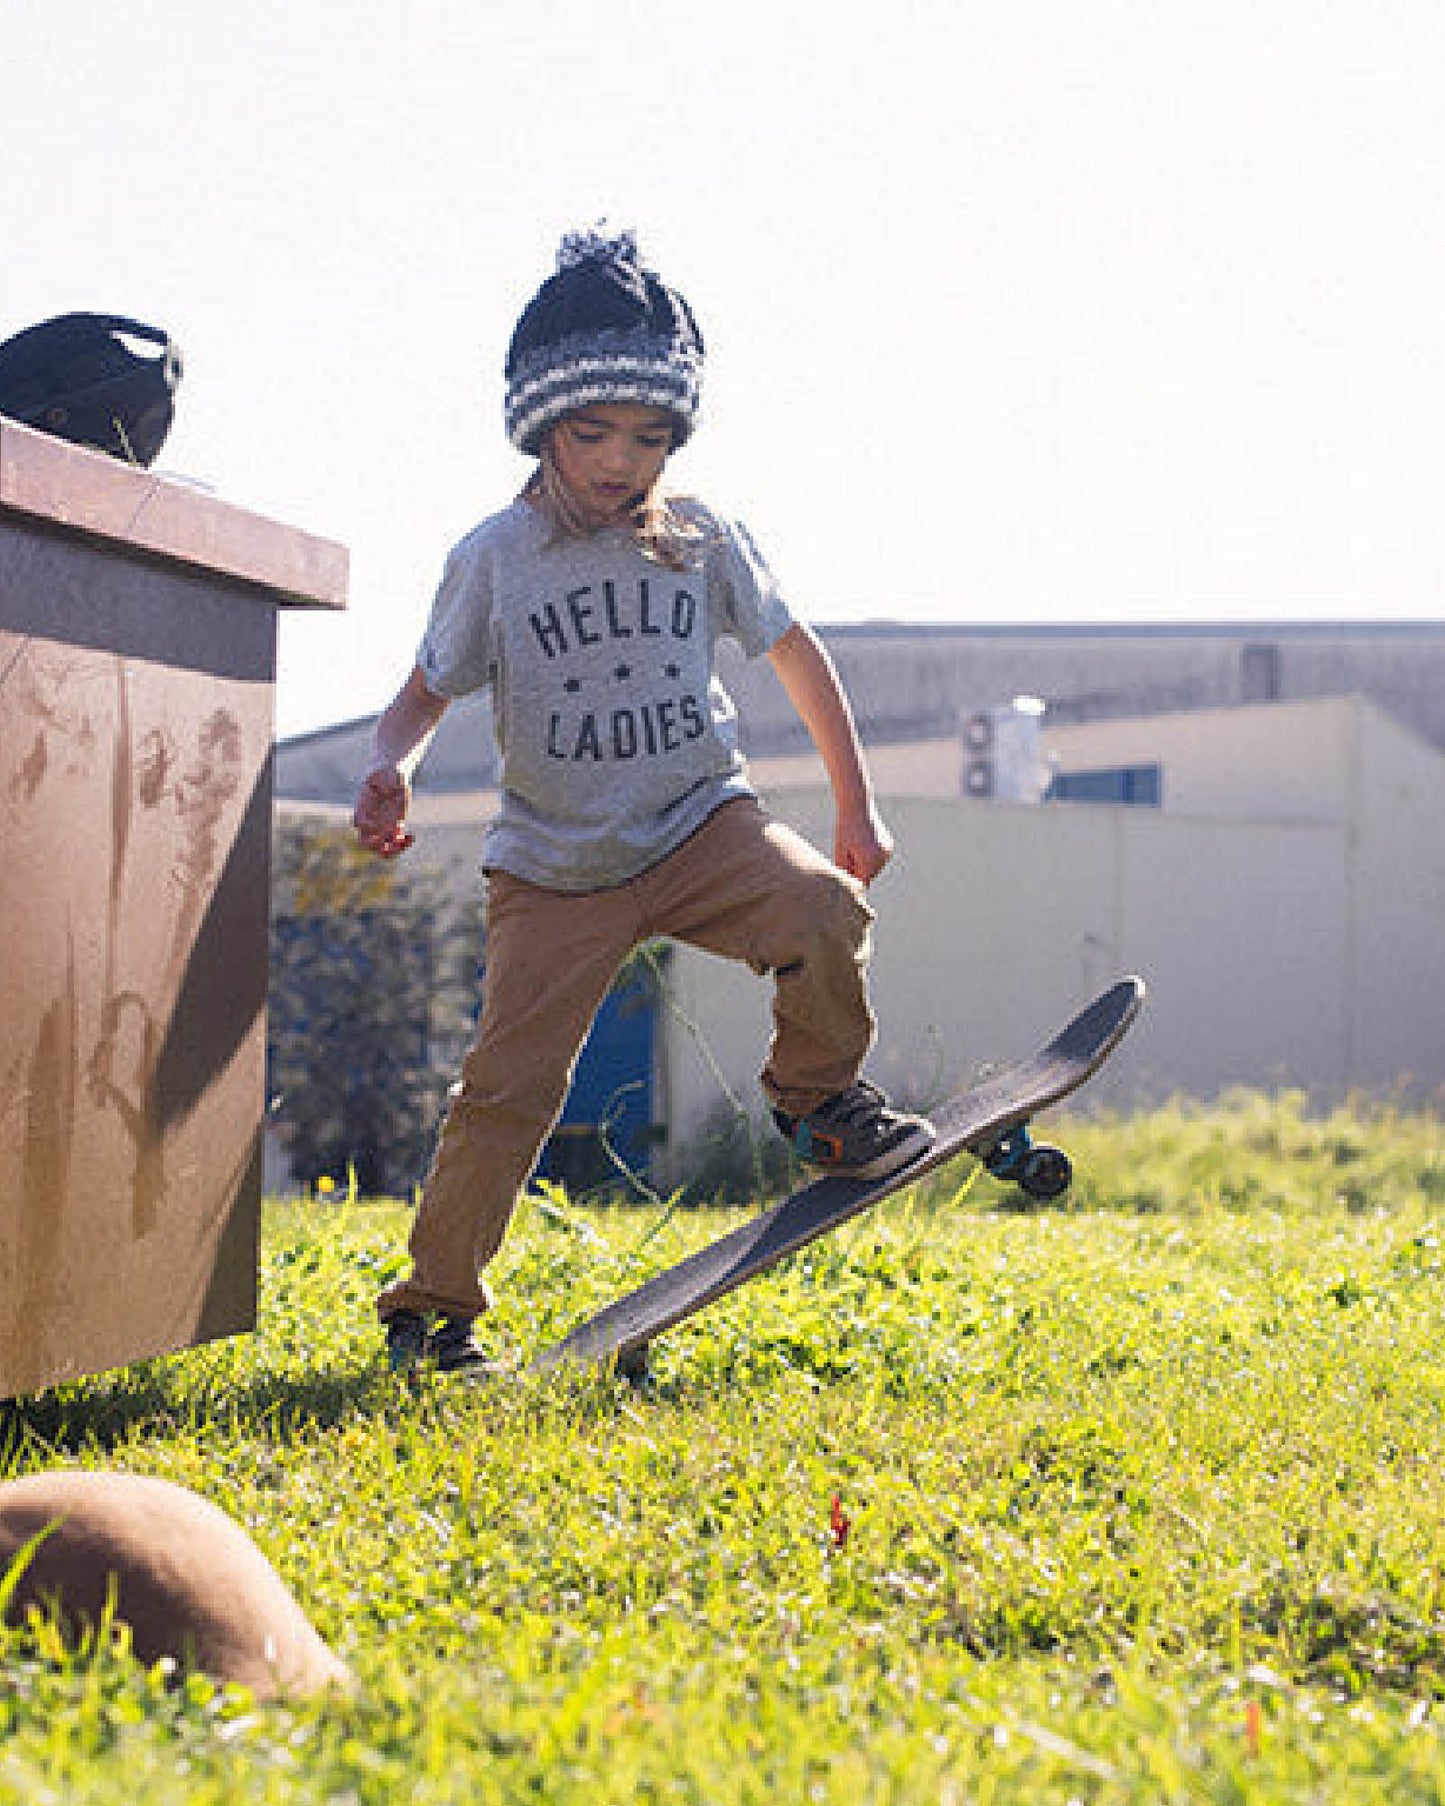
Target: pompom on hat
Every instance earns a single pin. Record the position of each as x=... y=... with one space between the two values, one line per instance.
x=603 y=328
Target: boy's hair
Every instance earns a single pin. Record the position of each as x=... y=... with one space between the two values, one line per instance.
x=662 y=533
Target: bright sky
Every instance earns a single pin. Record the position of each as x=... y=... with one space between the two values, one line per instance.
x=1034 y=310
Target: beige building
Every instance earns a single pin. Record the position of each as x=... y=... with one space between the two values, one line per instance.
x=1284 y=901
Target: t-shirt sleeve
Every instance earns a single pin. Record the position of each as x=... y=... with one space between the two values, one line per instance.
x=455 y=655
x=755 y=614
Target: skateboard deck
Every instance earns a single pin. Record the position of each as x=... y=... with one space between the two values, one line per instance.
x=988 y=1120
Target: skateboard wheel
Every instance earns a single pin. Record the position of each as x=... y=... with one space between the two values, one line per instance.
x=1007 y=1157
x=632 y=1365
x=1046 y=1173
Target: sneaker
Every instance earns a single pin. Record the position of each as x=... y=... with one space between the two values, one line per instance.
x=453 y=1348
x=857 y=1134
x=405 y=1341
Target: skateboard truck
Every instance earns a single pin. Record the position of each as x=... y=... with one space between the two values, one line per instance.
x=1040 y=1170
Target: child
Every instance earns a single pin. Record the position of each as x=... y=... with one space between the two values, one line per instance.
x=591 y=607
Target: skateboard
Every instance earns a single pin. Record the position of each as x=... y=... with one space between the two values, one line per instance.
x=989 y=1121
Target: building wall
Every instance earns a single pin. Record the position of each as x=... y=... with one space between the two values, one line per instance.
x=1292 y=759
x=914 y=682
x=1296 y=948
x=1003 y=920
x=1397 y=904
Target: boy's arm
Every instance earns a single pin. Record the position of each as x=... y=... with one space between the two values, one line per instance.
x=862 y=844
x=400 y=738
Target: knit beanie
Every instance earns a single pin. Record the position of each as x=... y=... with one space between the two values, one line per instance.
x=602 y=329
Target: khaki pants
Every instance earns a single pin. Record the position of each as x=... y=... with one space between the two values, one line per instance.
x=743 y=886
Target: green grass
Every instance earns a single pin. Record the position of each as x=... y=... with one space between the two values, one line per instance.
x=1139 y=1500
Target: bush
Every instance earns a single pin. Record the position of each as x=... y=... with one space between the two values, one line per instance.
x=374 y=983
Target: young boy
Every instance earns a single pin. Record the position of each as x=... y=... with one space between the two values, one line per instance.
x=591 y=608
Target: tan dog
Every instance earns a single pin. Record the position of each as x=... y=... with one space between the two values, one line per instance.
x=187 y=1580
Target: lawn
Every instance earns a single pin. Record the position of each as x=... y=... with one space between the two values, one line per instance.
x=1135 y=1499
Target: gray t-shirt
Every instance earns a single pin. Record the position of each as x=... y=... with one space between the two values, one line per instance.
x=617 y=739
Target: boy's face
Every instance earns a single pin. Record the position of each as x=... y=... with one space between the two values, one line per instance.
x=610 y=455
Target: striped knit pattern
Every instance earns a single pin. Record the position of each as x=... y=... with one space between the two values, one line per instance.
x=603 y=367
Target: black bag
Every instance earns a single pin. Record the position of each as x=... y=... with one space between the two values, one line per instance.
x=76 y=376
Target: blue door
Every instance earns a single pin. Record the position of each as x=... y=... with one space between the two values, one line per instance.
x=607 y=1124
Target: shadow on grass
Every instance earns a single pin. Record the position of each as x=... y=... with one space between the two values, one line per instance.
x=101 y=1415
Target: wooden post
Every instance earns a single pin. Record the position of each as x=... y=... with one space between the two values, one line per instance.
x=137 y=670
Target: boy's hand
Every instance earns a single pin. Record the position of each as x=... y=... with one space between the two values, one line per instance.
x=381 y=807
x=862 y=845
